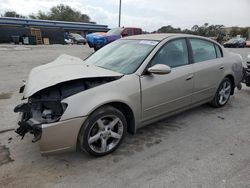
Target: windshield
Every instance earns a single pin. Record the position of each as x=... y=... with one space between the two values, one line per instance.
x=115 y=31
x=75 y=35
x=234 y=40
x=123 y=56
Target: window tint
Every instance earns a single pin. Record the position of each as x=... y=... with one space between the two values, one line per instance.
x=202 y=50
x=138 y=31
x=128 y=31
x=218 y=51
x=173 y=54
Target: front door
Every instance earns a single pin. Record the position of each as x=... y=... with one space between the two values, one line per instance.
x=162 y=94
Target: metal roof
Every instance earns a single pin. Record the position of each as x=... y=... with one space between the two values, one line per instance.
x=51 y=23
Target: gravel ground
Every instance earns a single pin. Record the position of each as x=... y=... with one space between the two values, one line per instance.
x=203 y=147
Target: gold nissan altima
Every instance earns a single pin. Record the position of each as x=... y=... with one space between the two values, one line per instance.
x=91 y=104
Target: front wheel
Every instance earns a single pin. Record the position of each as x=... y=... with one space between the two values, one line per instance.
x=223 y=93
x=96 y=48
x=103 y=131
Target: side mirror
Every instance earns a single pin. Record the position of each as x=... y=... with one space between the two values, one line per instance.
x=159 y=69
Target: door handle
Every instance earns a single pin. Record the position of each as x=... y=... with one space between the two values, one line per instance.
x=190 y=77
x=222 y=67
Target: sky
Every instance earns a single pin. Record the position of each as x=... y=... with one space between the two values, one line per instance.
x=147 y=14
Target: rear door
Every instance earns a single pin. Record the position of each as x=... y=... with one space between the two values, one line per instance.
x=162 y=94
x=208 y=68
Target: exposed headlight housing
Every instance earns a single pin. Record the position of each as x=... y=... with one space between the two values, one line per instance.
x=34 y=114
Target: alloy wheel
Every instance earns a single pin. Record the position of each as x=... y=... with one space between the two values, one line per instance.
x=224 y=92
x=105 y=134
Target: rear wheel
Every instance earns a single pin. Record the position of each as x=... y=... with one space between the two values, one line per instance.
x=103 y=131
x=223 y=93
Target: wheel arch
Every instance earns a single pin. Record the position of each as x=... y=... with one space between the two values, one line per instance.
x=127 y=112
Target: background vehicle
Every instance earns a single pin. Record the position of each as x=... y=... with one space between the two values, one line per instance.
x=77 y=39
x=127 y=84
x=248 y=43
x=246 y=77
x=235 y=43
x=98 y=40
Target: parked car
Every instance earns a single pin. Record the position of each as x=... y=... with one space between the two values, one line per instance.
x=90 y=38
x=98 y=40
x=127 y=84
x=77 y=38
x=235 y=43
x=246 y=76
x=248 y=43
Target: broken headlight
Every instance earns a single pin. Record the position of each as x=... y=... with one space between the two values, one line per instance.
x=37 y=112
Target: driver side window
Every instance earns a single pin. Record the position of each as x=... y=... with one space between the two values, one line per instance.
x=173 y=54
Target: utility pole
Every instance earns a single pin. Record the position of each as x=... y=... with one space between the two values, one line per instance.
x=119 y=24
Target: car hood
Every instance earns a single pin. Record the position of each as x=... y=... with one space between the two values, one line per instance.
x=234 y=42
x=64 y=68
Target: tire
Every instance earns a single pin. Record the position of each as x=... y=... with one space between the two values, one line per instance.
x=96 y=48
x=103 y=131
x=223 y=93
x=91 y=46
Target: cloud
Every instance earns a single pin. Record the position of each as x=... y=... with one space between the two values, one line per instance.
x=148 y=14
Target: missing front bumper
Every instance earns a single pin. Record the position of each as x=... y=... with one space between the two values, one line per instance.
x=30 y=126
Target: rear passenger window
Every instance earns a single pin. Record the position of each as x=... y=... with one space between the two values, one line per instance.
x=218 y=51
x=202 y=50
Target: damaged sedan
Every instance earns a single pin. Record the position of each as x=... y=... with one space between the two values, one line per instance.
x=92 y=104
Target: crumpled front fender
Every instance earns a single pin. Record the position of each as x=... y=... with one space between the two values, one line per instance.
x=61 y=136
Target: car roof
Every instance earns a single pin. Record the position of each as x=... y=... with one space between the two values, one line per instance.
x=158 y=36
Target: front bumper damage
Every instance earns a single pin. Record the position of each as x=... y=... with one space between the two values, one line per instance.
x=37 y=111
x=41 y=114
x=27 y=124
x=60 y=137
x=54 y=137
x=45 y=107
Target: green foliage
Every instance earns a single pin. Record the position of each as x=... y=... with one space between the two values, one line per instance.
x=239 y=31
x=62 y=13
x=168 y=29
x=234 y=32
x=204 y=30
x=40 y=15
x=244 y=32
x=12 y=14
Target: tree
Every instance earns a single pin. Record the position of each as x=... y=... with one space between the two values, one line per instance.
x=40 y=15
x=169 y=29
x=195 y=28
x=62 y=13
x=206 y=30
x=234 y=32
x=244 y=32
x=12 y=14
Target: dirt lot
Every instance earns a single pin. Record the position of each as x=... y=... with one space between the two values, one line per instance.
x=203 y=147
